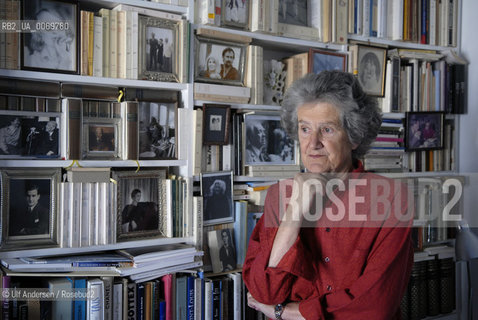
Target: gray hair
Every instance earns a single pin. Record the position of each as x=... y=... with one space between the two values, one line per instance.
x=359 y=113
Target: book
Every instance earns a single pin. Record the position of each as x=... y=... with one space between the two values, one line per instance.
x=223 y=93
x=117 y=299
x=130 y=133
x=95 y=305
x=223 y=35
x=61 y=308
x=148 y=12
x=86 y=175
x=131 y=301
x=97 y=47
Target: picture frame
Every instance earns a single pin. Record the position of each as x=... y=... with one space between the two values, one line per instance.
x=424 y=131
x=158 y=123
x=31 y=135
x=101 y=138
x=320 y=60
x=266 y=142
x=371 y=69
x=208 y=66
x=30 y=220
x=217 y=192
x=141 y=211
x=50 y=50
x=235 y=13
x=293 y=12
x=216 y=124
x=222 y=250
x=158 y=49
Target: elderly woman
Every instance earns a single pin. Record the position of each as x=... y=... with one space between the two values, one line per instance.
x=350 y=266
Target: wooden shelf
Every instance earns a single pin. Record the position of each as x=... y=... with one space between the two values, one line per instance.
x=91 y=163
x=395 y=43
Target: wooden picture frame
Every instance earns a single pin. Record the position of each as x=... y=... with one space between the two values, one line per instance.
x=320 y=60
x=212 y=55
x=101 y=138
x=266 y=143
x=31 y=135
x=371 y=69
x=235 y=13
x=53 y=46
x=158 y=35
x=217 y=192
x=141 y=211
x=216 y=124
x=29 y=207
x=424 y=131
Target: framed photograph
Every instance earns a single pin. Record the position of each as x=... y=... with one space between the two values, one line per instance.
x=371 y=69
x=293 y=12
x=101 y=139
x=216 y=124
x=218 y=61
x=158 y=49
x=266 y=142
x=216 y=189
x=424 y=131
x=29 y=207
x=157 y=130
x=52 y=44
x=26 y=135
x=140 y=212
x=320 y=60
x=235 y=13
x=222 y=250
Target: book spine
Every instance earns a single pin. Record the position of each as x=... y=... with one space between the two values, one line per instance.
x=131 y=301
x=98 y=47
x=121 y=45
x=190 y=297
x=130 y=120
x=140 y=301
x=105 y=14
x=95 y=306
x=113 y=47
x=117 y=311
x=79 y=305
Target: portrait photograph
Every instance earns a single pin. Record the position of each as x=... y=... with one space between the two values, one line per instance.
x=222 y=250
x=371 y=69
x=219 y=61
x=158 y=49
x=29 y=136
x=101 y=139
x=424 y=131
x=266 y=142
x=157 y=130
x=293 y=12
x=50 y=50
x=235 y=13
x=320 y=60
x=216 y=124
x=216 y=189
x=139 y=214
x=29 y=207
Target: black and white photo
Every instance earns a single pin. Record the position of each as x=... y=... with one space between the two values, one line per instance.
x=101 y=138
x=371 y=69
x=157 y=130
x=266 y=142
x=55 y=49
x=235 y=13
x=424 y=131
x=23 y=136
x=222 y=250
x=216 y=124
x=293 y=12
x=216 y=188
x=29 y=207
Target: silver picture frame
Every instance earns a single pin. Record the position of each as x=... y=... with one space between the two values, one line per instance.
x=101 y=139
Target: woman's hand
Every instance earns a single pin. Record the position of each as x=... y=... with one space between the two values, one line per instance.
x=291 y=311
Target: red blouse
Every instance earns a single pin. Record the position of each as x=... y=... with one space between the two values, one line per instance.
x=338 y=272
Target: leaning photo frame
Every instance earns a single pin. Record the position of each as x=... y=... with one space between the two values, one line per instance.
x=52 y=44
x=320 y=60
x=235 y=13
x=101 y=139
x=213 y=55
x=158 y=49
x=217 y=189
x=424 y=131
x=216 y=124
x=371 y=69
x=141 y=209
x=29 y=208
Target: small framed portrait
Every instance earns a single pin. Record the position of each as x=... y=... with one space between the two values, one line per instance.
x=140 y=213
x=216 y=189
x=219 y=61
x=216 y=124
x=235 y=13
x=424 y=131
x=293 y=12
x=222 y=250
x=25 y=135
x=29 y=207
x=371 y=69
x=101 y=139
x=266 y=142
x=158 y=49
x=157 y=130
x=52 y=44
x=320 y=60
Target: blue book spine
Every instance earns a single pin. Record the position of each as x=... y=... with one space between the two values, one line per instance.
x=79 y=305
x=355 y=16
x=162 y=310
x=216 y=299
x=181 y=298
x=201 y=275
x=190 y=297
x=140 y=301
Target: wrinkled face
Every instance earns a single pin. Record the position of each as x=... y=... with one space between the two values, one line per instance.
x=259 y=135
x=228 y=58
x=217 y=187
x=324 y=144
x=211 y=64
x=32 y=197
